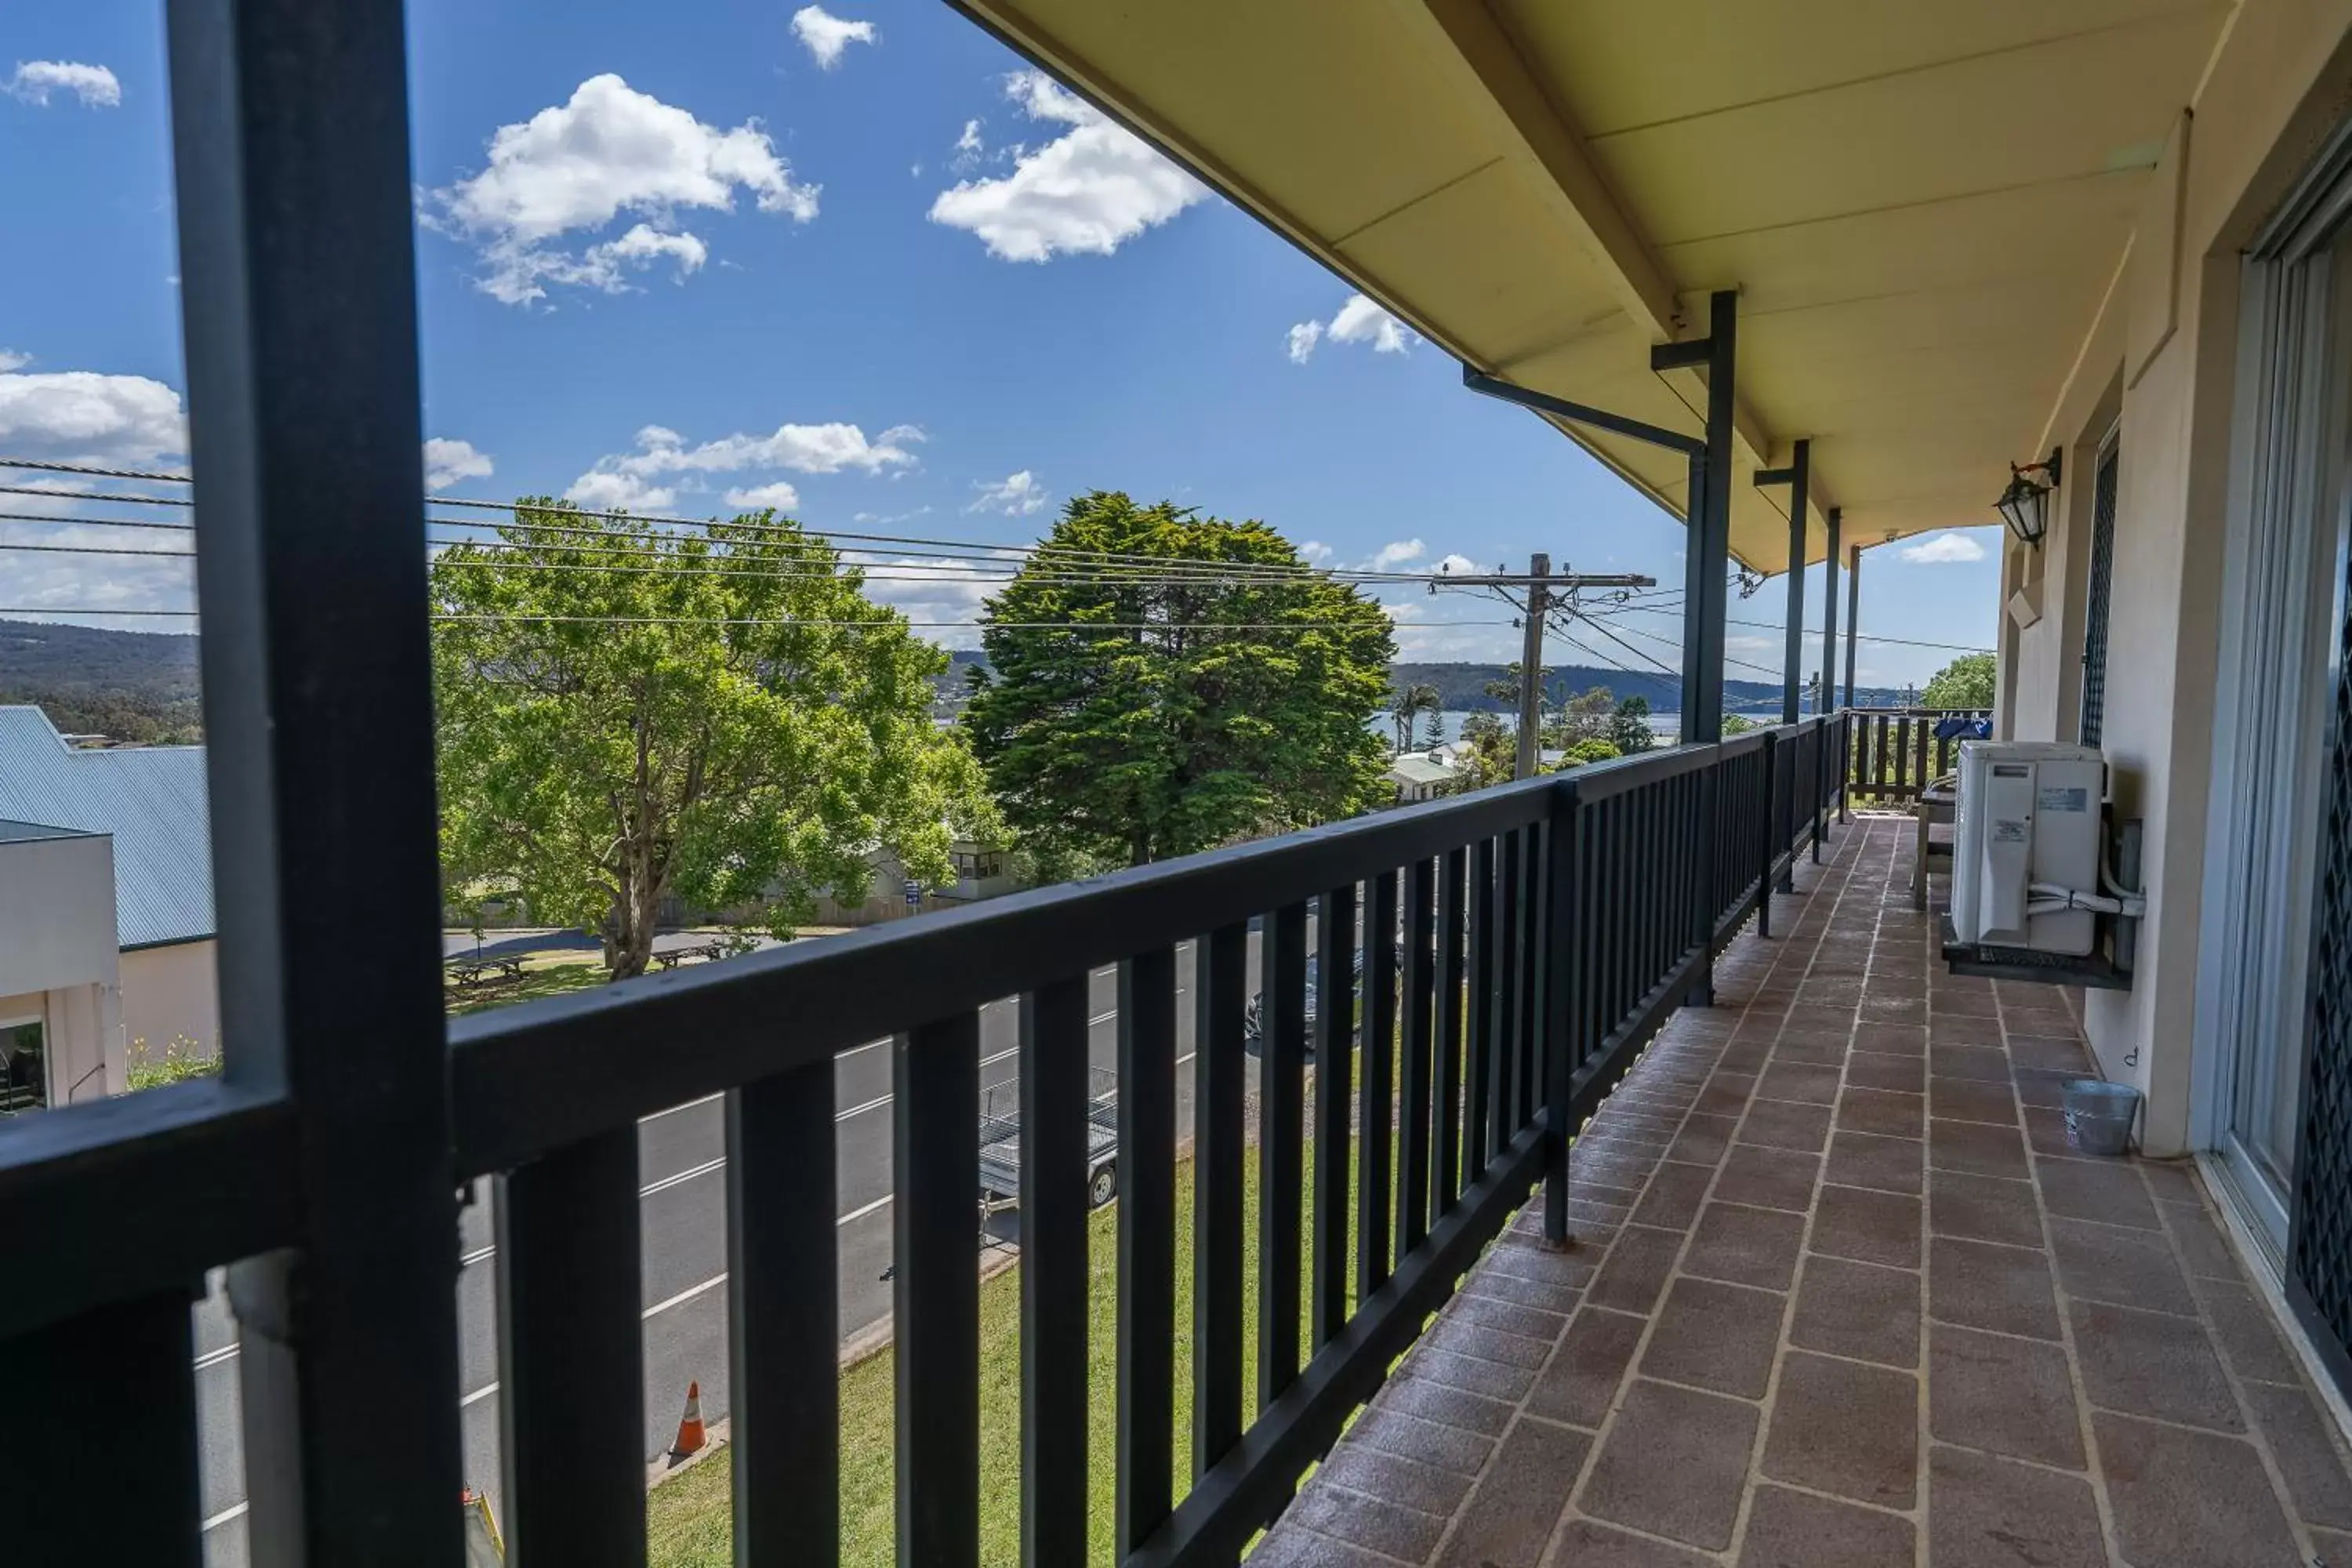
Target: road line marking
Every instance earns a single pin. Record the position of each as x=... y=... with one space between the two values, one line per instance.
x=882 y=1202
x=229 y=1352
x=673 y=1110
x=683 y=1297
x=479 y=1395
x=1102 y=1017
x=868 y=1046
x=668 y=1182
x=479 y=1255
x=1000 y=1056
x=224 y=1515
x=875 y=1103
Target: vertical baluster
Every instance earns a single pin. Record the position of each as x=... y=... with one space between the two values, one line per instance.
x=1414 y=1070
x=783 y=1322
x=1147 y=1244
x=935 y=1290
x=1220 y=994
x=572 y=1355
x=98 y=1427
x=1533 y=892
x=1920 y=740
x=1563 y=840
x=1335 y=1033
x=1054 y=1268
x=1281 y=1110
x=1453 y=914
x=1478 y=1050
x=1903 y=756
x=1763 y=830
x=1375 y=1097
x=1502 y=1000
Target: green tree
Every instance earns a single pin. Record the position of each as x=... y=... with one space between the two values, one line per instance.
x=1489 y=753
x=1406 y=705
x=1584 y=717
x=1967 y=682
x=628 y=712
x=1584 y=753
x=1144 y=712
x=1737 y=724
x=1629 y=727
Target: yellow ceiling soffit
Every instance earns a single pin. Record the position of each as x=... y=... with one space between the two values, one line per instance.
x=1465 y=40
x=1488 y=69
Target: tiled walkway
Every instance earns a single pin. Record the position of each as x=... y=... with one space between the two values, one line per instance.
x=1841 y=1300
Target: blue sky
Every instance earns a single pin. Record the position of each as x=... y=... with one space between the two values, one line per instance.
x=853 y=257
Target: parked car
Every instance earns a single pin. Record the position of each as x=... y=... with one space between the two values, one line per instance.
x=1254 y=1020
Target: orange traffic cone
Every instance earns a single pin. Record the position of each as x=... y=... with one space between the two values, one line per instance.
x=690 y=1436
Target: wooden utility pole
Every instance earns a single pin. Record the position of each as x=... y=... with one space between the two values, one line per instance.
x=1541 y=588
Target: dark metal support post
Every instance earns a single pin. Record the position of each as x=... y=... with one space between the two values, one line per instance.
x=1833 y=518
x=1707 y=556
x=296 y=256
x=1853 y=613
x=1798 y=477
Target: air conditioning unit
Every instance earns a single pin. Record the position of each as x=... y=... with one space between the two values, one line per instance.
x=2026 y=845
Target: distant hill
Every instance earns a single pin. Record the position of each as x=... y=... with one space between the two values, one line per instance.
x=1462 y=688
x=141 y=686
x=133 y=685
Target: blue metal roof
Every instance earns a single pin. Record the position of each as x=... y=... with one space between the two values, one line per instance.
x=150 y=798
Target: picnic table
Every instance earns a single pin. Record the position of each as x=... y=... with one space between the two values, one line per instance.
x=470 y=970
x=669 y=958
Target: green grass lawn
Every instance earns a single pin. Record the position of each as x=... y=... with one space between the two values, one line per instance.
x=547 y=976
x=689 y=1524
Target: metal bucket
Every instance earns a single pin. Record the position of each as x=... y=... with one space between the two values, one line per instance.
x=2099 y=1115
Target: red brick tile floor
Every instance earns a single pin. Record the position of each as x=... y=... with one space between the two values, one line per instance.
x=1842 y=1298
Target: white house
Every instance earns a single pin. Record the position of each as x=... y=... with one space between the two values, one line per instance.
x=108 y=863
x=60 y=989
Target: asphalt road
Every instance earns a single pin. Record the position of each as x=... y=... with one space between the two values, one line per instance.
x=681 y=1163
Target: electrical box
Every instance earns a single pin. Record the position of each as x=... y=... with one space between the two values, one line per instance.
x=2029 y=815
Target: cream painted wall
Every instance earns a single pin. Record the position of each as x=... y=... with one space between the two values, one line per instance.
x=168 y=992
x=57 y=958
x=2278 y=83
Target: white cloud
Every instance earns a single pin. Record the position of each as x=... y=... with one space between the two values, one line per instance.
x=34 y=80
x=1315 y=553
x=601 y=490
x=1015 y=495
x=447 y=461
x=10 y=359
x=1357 y=321
x=1944 y=549
x=577 y=166
x=778 y=493
x=633 y=480
x=1362 y=321
x=127 y=420
x=1397 y=552
x=1455 y=565
x=1088 y=192
x=944 y=592
x=827 y=36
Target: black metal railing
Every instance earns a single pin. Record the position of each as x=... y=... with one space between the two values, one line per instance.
x=1895 y=752
x=1519 y=947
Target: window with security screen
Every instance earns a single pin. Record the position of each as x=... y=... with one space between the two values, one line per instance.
x=2095 y=620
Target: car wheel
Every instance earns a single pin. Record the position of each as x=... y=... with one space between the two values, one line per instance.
x=1103 y=1188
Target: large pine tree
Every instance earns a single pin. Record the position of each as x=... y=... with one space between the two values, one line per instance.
x=1164 y=682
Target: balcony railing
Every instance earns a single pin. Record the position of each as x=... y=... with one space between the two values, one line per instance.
x=1895 y=752
x=1519 y=947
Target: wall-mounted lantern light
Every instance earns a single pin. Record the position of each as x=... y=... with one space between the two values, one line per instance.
x=2025 y=504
